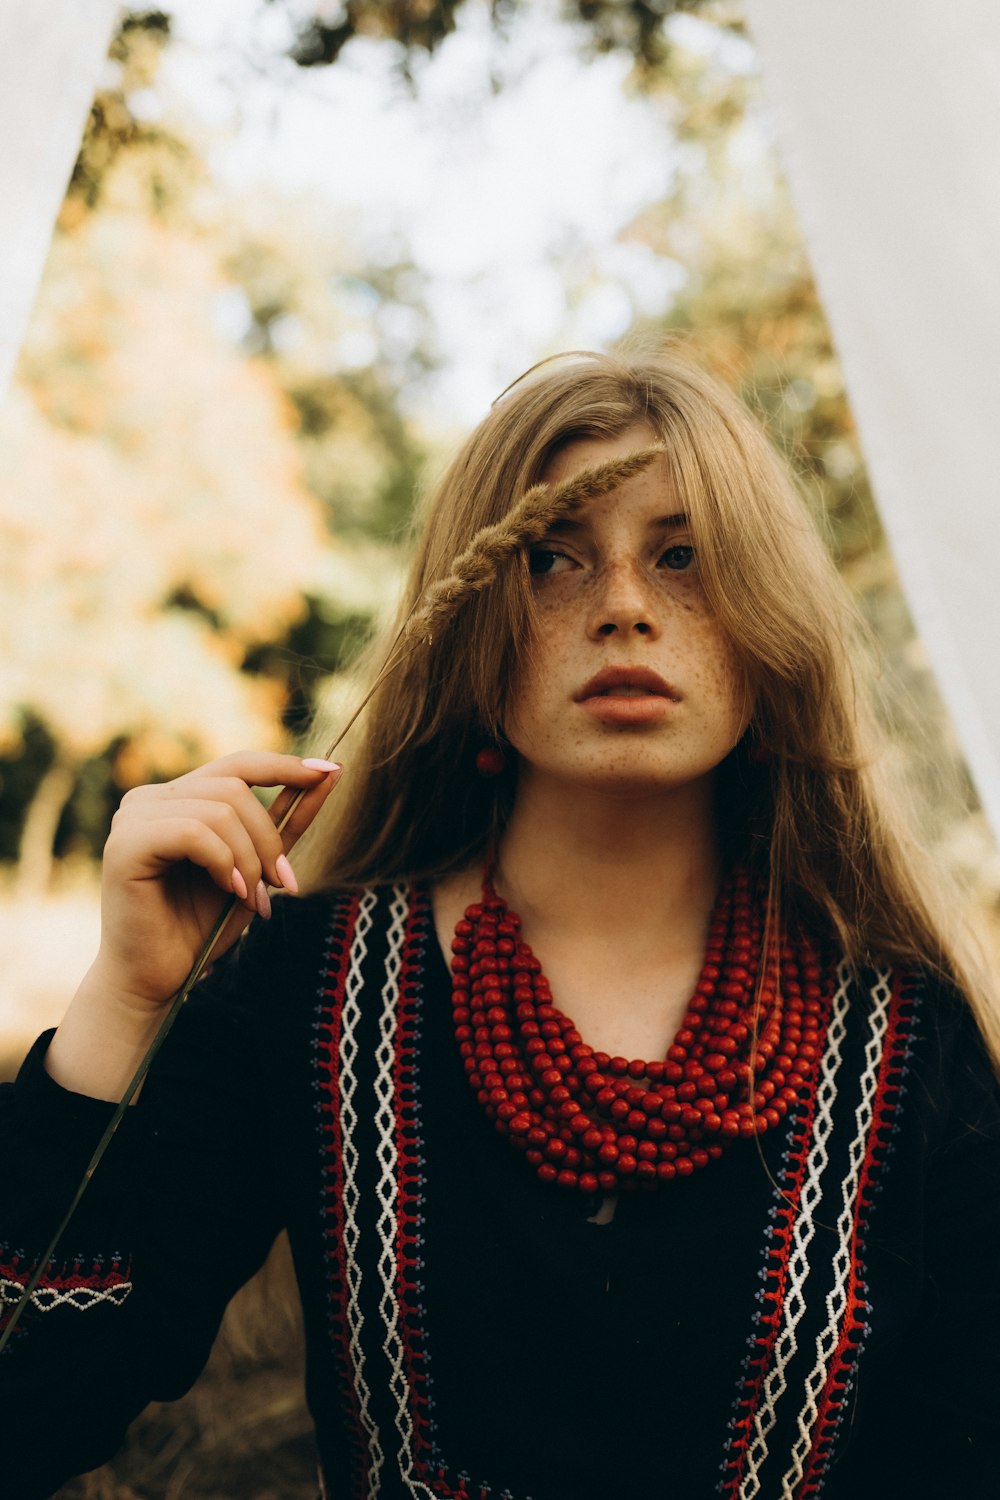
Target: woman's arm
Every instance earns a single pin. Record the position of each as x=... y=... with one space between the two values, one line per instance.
x=181 y=1212
x=186 y=1203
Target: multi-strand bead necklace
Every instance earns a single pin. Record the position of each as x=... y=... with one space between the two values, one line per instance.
x=584 y=1120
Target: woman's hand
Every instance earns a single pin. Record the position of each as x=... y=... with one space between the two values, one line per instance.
x=178 y=850
x=175 y=855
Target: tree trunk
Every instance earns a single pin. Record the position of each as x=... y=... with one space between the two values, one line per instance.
x=36 y=850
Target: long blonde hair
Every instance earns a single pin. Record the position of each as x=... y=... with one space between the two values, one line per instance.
x=811 y=807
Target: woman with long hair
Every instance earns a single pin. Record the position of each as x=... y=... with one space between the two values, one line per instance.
x=624 y=1080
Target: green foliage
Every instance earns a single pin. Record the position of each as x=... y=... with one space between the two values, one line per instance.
x=309 y=299
x=419 y=26
x=416 y=25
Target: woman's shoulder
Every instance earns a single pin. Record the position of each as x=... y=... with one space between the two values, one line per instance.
x=953 y=1072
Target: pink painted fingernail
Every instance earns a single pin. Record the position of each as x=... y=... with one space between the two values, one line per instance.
x=321 y=765
x=239 y=885
x=263 y=900
x=285 y=873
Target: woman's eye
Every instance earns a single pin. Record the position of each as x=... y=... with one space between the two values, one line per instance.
x=543 y=560
x=678 y=557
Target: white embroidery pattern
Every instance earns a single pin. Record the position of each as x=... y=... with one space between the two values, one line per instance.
x=80 y=1298
x=836 y=1302
x=798 y=1265
x=388 y=1188
x=350 y=1017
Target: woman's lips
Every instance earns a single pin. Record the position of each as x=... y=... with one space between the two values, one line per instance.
x=627 y=695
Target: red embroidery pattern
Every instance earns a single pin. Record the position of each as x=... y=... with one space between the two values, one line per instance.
x=327 y=1057
x=79 y=1284
x=777 y=1257
x=854 y=1327
x=410 y=1200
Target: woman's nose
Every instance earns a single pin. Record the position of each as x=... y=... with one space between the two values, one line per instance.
x=622 y=604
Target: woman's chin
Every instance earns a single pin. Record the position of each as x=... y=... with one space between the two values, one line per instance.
x=626 y=775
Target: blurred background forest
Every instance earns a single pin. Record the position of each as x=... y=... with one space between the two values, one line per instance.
x=231 y=393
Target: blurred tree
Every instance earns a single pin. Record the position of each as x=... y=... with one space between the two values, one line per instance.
x=116 y=126
x=636 y=26
x=342 y=338
x=166 y=510
x=141 y=554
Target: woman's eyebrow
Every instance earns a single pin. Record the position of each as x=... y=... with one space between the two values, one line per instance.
x=568 y=525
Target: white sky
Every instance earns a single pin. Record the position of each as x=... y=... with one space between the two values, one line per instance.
x=511 y=202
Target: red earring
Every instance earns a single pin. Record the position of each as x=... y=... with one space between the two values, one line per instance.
x=757 y=752
x=490 y=760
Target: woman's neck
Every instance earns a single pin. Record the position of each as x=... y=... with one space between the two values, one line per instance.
x=589 y=865
x=615 y=896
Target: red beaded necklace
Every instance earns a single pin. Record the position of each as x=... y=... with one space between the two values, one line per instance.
x=742 y=1056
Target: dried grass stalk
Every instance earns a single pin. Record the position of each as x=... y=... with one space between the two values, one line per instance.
x=493 y=546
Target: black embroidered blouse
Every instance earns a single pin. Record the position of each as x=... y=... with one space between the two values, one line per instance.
x=815 y=1314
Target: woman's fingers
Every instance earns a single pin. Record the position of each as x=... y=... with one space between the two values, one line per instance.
x=186 y=836
x=305 y=803
x=220 y=793
x=261 y=768
x=247 y=831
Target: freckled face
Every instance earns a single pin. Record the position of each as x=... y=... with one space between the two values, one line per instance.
x=632 y=683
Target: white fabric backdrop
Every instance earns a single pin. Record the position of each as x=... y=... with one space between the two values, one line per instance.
x=889 y=121
x=51 y=55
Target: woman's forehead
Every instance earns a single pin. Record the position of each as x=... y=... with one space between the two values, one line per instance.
x=650 y=496
x=579 y=453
